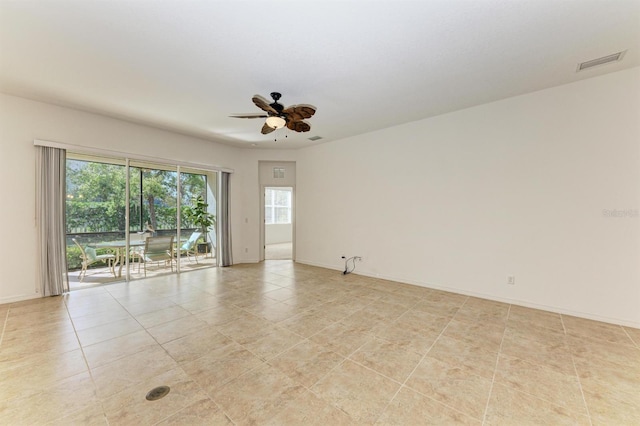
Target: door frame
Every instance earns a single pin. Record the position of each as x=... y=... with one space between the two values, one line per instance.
x=263 y=189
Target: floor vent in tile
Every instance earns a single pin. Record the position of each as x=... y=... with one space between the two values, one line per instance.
x=157 y=393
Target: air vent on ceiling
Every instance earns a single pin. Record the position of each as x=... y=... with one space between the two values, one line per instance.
x=315 y=138
x=278 y=172
x=601 y=61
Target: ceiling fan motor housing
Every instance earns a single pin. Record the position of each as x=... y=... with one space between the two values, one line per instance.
x=278 y=107
x=275 y=105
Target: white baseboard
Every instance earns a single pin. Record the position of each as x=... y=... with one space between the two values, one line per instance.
x=19 y=298
x=248 y=261
x=319 y=265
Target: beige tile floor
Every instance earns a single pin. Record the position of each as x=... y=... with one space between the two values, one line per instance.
x=279 y=343
x=279 y=251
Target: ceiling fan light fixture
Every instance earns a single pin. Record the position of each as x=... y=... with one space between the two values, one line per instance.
x=275 y=122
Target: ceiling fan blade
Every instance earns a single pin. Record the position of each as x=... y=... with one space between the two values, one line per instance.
x=299 y=112
x=256 y=115
x=263 y=104
x=298 y=126
x=266 y=129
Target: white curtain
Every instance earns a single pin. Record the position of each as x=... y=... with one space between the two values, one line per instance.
x=226 y=258
x=50 y=212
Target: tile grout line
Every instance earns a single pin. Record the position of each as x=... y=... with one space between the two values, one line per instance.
x=86 y=363
x=637 y=345
x=263 y=362
x=495 y=369
x=543 y=366
x=4 y=325
x=575 y=370
x=345 y=358
x=329 y=372
x=403 y=384
x=178 y=365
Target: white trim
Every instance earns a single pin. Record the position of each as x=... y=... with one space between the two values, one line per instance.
x=116 y=154
x=127 y=221
x=20 y=298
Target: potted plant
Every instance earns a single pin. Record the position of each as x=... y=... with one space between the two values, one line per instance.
x=198 y=214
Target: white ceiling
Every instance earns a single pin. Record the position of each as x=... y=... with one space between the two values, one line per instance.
x=186 y=65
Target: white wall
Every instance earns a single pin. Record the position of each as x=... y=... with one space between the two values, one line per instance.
x=267 y=173
x=516 y=187
x=278 y=233
x=24 y=120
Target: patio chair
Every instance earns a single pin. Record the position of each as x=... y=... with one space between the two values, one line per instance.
x=158 y=249
x=89 y=256
x=136 y=252
x=189 y=246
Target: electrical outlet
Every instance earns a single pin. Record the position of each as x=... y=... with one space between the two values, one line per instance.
x=511 y=279
x=246 y=250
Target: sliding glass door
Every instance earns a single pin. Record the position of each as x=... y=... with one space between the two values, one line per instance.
x=157 y=241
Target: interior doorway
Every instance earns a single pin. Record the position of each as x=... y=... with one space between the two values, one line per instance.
x=278 y=223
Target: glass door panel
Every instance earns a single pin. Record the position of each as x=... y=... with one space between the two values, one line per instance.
x=153 y=214
x=95 y=219
x=198 y=219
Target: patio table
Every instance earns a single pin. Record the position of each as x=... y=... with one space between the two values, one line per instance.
x=119 y=249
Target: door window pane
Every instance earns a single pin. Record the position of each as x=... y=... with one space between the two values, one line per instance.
x=277 y=206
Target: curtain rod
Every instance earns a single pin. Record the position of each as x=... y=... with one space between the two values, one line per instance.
x=124 y=155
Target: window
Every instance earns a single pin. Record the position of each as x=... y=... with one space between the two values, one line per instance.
x=277 y=205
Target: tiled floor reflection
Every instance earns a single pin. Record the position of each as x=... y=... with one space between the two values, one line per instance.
x=99 y=275
x=279 y=343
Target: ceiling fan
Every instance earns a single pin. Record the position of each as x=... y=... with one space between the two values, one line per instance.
x=277 y=116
